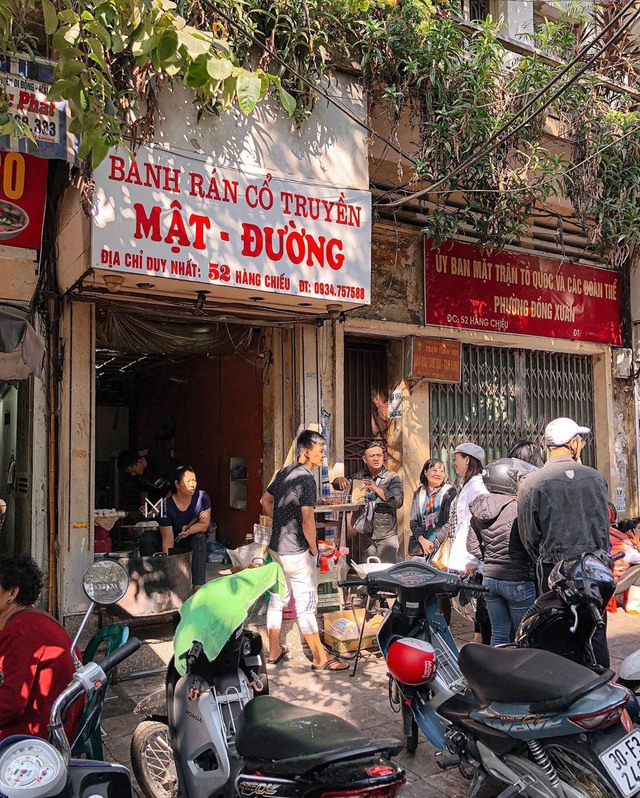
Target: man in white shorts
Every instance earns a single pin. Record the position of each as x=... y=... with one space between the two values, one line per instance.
x=290 y=500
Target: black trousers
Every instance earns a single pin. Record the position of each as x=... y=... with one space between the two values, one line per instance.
x=150 y=543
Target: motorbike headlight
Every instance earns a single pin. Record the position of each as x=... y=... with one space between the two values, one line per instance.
x=31 y=768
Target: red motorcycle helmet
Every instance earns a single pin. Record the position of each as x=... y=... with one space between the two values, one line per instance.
x=411 y=661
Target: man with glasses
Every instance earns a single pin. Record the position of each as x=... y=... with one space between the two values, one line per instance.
x=378 y=531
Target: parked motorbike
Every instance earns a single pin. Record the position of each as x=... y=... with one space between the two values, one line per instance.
x=31 y=767
x=225 y=737
x=542 y=725
x=565 y=618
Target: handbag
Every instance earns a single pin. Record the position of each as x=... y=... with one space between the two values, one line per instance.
x=358 y=521
x=440 y=559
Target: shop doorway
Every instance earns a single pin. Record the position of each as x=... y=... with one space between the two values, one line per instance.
x=506 y=395
x=202 y=407
x=365 y=399
x=16 y=415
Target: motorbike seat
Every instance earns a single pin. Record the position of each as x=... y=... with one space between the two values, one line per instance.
x=541 y=679
x=298 y=739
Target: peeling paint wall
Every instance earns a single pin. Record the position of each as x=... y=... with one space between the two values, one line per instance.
x=397 y=285
x=624 y=471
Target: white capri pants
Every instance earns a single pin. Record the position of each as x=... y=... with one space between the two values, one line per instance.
x=302 y=581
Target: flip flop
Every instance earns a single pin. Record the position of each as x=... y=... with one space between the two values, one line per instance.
x=280 y=657
x=329 y=665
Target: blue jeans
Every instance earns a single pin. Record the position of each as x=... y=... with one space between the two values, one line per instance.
x=507 y=603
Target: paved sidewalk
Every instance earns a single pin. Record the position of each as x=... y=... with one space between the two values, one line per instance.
x=363 y=700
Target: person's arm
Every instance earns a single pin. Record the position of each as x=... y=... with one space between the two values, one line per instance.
x=474 y=540
x=414 y=518
x=632 y=556
x=392 y=494
x=18 y=663
x=529 y=532
x=201 y=525
x=166 y=533
x=340 y=483
x=267 y=504
x=309 y=528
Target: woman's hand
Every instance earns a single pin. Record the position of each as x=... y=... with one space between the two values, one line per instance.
x=427 y=545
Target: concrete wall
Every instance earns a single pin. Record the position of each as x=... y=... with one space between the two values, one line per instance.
x=328 y=147
x=76 y=455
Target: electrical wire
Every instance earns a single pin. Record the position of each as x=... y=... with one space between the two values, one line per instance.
x=634 y=129
x=497 y=139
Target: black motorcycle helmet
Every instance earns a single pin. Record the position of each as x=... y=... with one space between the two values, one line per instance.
x=584 y=576
x=503 y=476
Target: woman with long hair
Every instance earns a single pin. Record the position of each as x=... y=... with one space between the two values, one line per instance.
x=468 y=461
x=430 y=507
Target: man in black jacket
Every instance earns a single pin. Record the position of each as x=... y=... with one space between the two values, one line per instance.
x=562 y=508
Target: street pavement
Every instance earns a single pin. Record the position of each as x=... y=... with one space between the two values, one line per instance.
x=362 y=700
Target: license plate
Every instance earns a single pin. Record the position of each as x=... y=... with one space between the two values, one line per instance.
x=622 y=763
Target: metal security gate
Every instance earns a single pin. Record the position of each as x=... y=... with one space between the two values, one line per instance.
x=365 y=400
x=507 y=395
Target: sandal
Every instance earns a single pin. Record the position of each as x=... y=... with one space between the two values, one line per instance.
x=284 y=653
x=333 y=664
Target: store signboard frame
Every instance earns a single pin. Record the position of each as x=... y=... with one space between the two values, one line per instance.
x=433 y=359
x=186 y=218
x=515 y=293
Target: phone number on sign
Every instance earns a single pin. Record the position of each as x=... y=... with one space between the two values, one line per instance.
x=339 y=291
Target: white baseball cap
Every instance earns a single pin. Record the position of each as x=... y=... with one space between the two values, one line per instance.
x=561 y=431
x=471 y=450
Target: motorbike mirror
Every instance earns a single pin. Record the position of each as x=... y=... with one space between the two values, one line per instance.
x=105 y=582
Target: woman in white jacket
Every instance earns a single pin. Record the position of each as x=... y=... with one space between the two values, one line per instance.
x=468 y=461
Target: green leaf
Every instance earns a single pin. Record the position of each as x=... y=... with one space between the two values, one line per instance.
x=168 y=46
x=288 y=102
x=219 y=68
x=197 y=74
x=72 y=34
x=69 y=67
x=100 y=152
x=100 y=32
x=50 y=17
x=248 y=90
x=193 y=44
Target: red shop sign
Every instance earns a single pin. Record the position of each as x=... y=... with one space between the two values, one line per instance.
x=23 y=190
x=469 y=289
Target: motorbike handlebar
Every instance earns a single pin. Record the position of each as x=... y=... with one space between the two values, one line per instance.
x=351 y=582
x=597 y=616
x=474 y=588
x=121 y=653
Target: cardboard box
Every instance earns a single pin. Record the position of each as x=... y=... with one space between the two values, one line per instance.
x=346 y=639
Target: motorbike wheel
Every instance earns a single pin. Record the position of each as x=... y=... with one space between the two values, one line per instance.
x=411 y=740
x=152 y=760
x=410 y=728
x=578 y=766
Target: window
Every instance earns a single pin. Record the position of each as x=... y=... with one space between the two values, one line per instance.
x=475 y=10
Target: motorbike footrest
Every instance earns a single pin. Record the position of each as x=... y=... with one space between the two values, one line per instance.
x=513 y=790
x=448 y=762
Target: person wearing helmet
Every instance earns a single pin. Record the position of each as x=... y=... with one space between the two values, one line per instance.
x=562 y=508
x=508 y=570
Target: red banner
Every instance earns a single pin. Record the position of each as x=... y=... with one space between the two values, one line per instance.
x=509 y=292
x=23 y=190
